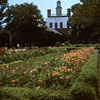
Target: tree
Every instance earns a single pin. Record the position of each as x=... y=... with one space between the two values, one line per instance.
x=3 y=5
x=23 y=23
x=85 y=21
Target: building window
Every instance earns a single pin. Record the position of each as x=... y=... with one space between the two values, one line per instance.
x=56 y=25
x=61 y=25
x=50 y=25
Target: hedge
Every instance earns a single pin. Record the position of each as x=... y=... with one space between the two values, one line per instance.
x=85 y=86
x=12 y=93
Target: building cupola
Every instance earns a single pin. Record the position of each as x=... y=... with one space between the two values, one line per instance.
x=58 y=8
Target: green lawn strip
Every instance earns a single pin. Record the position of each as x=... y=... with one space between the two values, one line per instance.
x=85 y=86
x=18 y=93
x=99 y=76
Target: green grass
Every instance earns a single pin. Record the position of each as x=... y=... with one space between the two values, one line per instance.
x=85 y=86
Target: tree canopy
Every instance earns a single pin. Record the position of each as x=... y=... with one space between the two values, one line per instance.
x=3 y=5
x=23 y=22
x=85 y=21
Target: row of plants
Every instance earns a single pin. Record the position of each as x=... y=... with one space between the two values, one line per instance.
x=85 y=86
x=7 y=58
x=58 y=73
x=97 y=45
x=19 y=93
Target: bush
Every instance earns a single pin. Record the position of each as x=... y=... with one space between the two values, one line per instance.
x=85 y=86
x=67 y=43
x=11 y=93
x=83 y=91
x=58 y=44
x=97 y=45
x=29 y=94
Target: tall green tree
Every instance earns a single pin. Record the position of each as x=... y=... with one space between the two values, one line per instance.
x=23 y=22
x=85 y=21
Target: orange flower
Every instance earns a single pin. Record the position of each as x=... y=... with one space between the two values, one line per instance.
x=13 y=81
x=46 y=63
x=61 y=77
x=35 y=70
x=60 y=69
x=38 y=87
x=64 y=67
x=40 y=81
x=55 y=68
x=13 y=70
x=33 y=76
x=68 y=70
x=55 y=73
x=67 y=76
x=25 y=72
x=56 y=58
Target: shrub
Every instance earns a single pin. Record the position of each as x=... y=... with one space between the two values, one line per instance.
x=67 y=43
x=29 y=94
x=12 y=93
x=85 y=86
x=83 y=91
x=58 y=44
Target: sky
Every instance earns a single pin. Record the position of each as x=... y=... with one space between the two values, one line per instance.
x=43 y=5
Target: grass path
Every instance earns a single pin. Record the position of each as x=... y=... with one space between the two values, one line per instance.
x=99 y=73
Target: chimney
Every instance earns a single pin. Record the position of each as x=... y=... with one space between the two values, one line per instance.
x=48 y=12
x=68 y=12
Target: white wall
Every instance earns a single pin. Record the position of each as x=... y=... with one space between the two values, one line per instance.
x=58 y=20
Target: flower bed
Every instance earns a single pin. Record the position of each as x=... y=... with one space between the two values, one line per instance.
x=58 y=71
x=57 y=74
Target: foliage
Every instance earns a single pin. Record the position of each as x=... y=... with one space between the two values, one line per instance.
x=33 y=94
x=56 y=71
x=57 y=76
x=58 y=44
x=85 y=86
x=22 y=22
x=3 y=5
x=67 y=43
x=7 y=58
x=85 y=22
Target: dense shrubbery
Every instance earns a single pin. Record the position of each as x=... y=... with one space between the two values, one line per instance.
x=33 y=94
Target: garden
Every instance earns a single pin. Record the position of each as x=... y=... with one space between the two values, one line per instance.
x=50 y=73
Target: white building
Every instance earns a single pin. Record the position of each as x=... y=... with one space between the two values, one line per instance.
x=58 y=20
